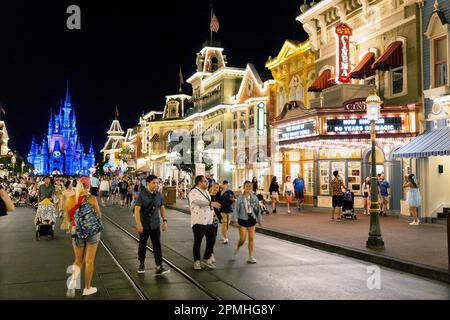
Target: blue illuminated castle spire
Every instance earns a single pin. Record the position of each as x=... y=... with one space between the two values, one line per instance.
x=61 y=150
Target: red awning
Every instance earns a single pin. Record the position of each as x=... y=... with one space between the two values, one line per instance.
x=363 y=68
x=392 y=57
x=324 y=81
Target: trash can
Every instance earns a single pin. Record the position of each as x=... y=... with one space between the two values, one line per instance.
x=170 y=195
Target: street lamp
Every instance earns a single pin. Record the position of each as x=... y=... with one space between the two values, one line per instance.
x=373 y=103
x=13 y=162
x=21 y=171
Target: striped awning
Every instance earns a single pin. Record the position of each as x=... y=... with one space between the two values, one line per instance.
x=431 y=143
x=392 y=57
x=324 y=81
x=363 y=68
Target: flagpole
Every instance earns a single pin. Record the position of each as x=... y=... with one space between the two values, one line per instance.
x=210 y=29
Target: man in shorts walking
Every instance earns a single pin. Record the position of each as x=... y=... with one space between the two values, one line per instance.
x=338 y=196
x=385 y=194
x=299 y=189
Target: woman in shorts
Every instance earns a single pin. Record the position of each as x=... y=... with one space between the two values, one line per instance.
x=288 y=192
x=274 y=191
x=84 y=249
x=247 y=213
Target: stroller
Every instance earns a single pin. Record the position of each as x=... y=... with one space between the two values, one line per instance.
x=45 y=219
x=348 y=210
x=262 y=204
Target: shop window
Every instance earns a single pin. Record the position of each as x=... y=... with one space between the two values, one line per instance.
x=243 y=124
x=440 y=62
x=294 y=156
x=278 y=171
x=371 y=81
x=294 y=170
x=397 y=80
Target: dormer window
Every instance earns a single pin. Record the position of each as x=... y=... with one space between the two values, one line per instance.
x=440 y=62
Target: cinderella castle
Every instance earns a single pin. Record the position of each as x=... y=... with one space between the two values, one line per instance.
x=61 y=151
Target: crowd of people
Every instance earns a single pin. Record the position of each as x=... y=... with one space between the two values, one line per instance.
x=74 y=201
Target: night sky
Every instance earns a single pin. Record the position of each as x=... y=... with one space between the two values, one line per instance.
x=126 y=54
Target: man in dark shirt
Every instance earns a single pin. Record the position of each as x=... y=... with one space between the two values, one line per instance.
x=149 y=206
x=46 y=190
x=123 y=189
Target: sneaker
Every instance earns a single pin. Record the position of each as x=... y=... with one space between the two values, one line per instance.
x=88 y=292
x=161 y=270
x=251 y=260
x=70 y=293
x=289 y=211
x=332 y=219
x=225 y=241
x=213 y=259
x=412 y=223
x=141 y=268
x=274 y=211
x=208 y=263
x=197 y=265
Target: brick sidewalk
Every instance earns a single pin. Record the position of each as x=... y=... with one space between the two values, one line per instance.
x=424 y=245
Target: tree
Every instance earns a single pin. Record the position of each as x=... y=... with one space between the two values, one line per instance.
x=189 y=167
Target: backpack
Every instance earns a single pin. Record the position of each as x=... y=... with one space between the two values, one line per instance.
x=86 y=220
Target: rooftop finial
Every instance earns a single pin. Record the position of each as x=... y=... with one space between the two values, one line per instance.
x=67 y=94
x=304 y=7
x=436 y=5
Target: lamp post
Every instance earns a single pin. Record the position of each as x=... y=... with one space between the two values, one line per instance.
x=373 y=103
x=22 y=166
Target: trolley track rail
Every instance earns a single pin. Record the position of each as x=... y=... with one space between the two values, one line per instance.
x=137 y=287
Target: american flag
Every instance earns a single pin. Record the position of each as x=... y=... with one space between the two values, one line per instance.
x=214 y=22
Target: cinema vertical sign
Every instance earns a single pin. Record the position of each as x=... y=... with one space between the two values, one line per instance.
x=343 y=33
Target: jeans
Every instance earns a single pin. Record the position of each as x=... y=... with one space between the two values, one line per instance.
x=155 y=236
x=201 y=231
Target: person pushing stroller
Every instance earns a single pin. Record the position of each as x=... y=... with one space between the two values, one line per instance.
x=46 y=213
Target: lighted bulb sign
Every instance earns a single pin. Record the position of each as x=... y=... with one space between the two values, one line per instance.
x=358 y=125
x=343 y=33
x=298 y=130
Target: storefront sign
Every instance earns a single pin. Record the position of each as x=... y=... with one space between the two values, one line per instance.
x=355 y=105
x=343 y=33
x=358 y=125
x=298 y=130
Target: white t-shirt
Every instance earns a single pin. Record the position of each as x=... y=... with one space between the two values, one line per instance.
x=288 y=186
x=104 y=185
x=201 y=211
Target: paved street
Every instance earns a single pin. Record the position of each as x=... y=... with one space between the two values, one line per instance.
x=401 y=239
x=285 y=270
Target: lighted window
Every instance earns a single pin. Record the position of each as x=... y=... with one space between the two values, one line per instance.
x=440 y=62
x=397 y=80
x=278 y=171
x=251 y=116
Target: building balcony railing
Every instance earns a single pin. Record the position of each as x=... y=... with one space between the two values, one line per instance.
x=340 y=93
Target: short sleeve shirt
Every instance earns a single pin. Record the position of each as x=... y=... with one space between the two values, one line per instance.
x=336 y=186
x=384 y=186
x=299 y=185
x=123 y=187
x=46 y=192
x=153 y=221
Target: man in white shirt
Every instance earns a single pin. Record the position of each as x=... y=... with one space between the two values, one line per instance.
x=202 y=215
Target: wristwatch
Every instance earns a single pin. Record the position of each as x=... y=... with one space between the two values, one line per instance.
x=164 y=220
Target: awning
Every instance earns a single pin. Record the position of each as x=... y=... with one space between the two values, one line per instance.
x=155 y=138
x=392 y=57
x=363 y=69
x=324 y=81
x=431 y=143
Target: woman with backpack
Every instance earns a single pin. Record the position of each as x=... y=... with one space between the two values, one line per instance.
x=85 y=216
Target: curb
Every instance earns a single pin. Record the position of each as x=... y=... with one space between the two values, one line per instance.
x=385 y=261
